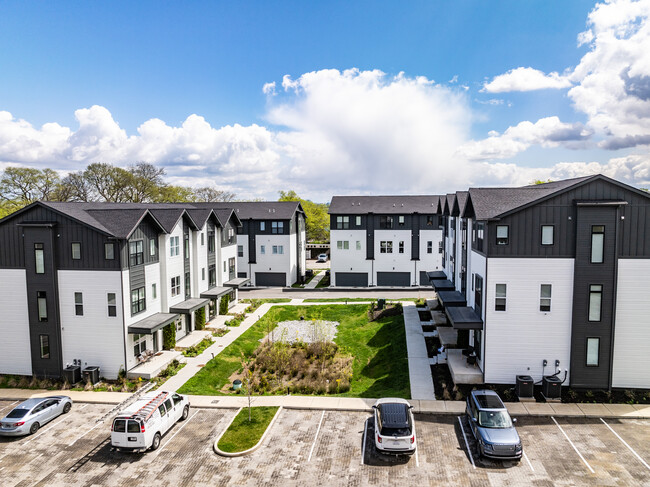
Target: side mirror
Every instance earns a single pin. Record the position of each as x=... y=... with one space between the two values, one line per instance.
x=411 y=407
x=374 y=407
x=475 y=420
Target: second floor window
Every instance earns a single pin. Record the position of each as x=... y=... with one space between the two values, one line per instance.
x=595 y=301
x=358 y=221
x=358 y=244
x=547 y=234
x=79 y=304
x=42 y=305
x=545 y=291
x=502 y=235
x=480 y=231
x=278 y=249
x=597 y=243
x=154 y=291
x=109 y=251
x=343 y=244
x=211 y=242
x=385 y=247
x=401 y=247
x=202 y=238
x=152 y=247
x=112 y=304
x=277 y=227
x=186 y=246
x=240 y=251
x=136 y=255
x=176 y=285
x=76 y=250
x=401 y=220
x=386 y=222
x=430 y=247
x=40 y=258
x=342 y=222
x=138 y=302
x=262 y=249
x=500 y=297
x=429 y=220
x=174 y=246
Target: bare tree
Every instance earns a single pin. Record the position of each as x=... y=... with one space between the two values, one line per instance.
x=73 y=187
x=147 y=180
x=208 y=194
x=108 y=182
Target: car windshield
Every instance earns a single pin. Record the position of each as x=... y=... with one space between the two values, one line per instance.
x=17 y=413
x=494 y=419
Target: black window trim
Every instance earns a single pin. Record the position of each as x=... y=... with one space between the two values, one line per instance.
x=597 y=352
x=496 y=235
x=600 y=309
x=72 y=244
x=591 y=244
x=541 y=235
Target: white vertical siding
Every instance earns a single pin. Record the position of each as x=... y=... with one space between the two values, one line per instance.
x=15 y=353
x=631 y=367
x=95 y=337
x=477 y=266
x=292 y=275
x=394 y=262
x=229 y=253
x=432 y=261
x=519 y=339
x=242 y=262
x=269 y=262
x=348 y=260
x=152 y=276
x=175 y=266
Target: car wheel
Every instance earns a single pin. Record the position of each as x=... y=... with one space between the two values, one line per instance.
x=156 y=442
x=67 y=408
x=186 y=413
x=34 y=428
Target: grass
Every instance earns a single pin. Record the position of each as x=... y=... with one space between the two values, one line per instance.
x=256 y=303
x=197 y=349
x=236 y=320
x=298 y=285
x=380 y=366
x=324 y=282
x=353 y=300
x=219 y=332
x=242 y=434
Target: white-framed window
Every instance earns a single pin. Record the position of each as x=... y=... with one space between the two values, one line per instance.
x=502 y=234
x=401 y=247
x=203 y=274
x=240 y=251
x=262 y=249
x=342 y=244
x=138 y=300
x=109 y=251
x=547 y=234
x=154 y=291
x=593 y=350
x=400 y=220
x=595 y=301
x=278 y=249
x=174 y=246
x=545 y=291
x=176 y=285
x=500 y=297
x=358 y=244
x=202 y=238
x=76 y=250
x=277 y=227
x=79 y=304
x=42 y=305
x=342 y=222
x=136 y=253
x=112 y=304
x=597 y=243
x=262 y=226
x=139 y=344
x=152 y=247
x=386 y=247
x=358 y=221
x=429 y=246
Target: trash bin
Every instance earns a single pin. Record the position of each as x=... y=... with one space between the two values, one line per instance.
x=91 y=374
x=72 y=374
x=236 y=385
x=524 y=386
x=381 y=303
x=551 y=387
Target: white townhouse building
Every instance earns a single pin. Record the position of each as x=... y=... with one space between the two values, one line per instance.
x=98 y=282
x=384 y=240
x=551 y=278
x=271 y=242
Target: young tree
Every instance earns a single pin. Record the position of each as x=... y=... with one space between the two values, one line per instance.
x=317 y=219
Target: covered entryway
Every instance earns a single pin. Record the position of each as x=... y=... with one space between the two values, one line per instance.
x=424 y=279
x=402 y=279
x=351 y=279
x=270 y=279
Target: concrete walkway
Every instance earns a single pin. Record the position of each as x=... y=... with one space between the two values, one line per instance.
x=418 y=359
x=315 y=280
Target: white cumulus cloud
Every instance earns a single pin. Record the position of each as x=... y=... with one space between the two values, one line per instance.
x=525 y=79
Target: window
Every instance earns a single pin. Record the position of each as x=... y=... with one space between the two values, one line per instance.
x=45 y=346
x=386 y=222
x=400 y=220
x=39 y=257
x=429 y=220
x=277 y=227
x=342 y=222
x=430 y=247
x=240 y=251
x=358 y=244
x=231 y=235
x=593 y=350
x=202 y=238
x=262 y=249
x=342 y=244
x=137 y=300
x=203 y=274
x=109 y=251
x=188 y=289
x=79 y=304
x=478 y=294
x=545 y=297
x=136 y=255
x=186 y=246
x=278 y=249
x=176 y=285
x=358 y=221
x=41 y=300
x=212 y=277
x=547 y=234
x=595 y=301
x=174 y=246
x=385 y=247
x=231 y=266
x=500 y=297
x=401 y=247
x=211 y=242
x=112 y=305
x=225 y=264
x=262 y=226
x=139 y=344
x=152 y=247
x=502 y=234
x=154 y=291
x=597 y=243
x=76 y=250
x=480 y=232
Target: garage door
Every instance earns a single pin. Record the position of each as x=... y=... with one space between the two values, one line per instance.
x=355 y=279
x=270 y=279
x=424 y=279
x=393 y=279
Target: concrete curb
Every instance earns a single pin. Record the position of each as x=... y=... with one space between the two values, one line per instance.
x=250 y=450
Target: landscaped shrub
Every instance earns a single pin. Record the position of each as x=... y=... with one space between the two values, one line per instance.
x=223 y=304
x=199 y=318
x=236 y=320
x=197 y=349
x=169 y=336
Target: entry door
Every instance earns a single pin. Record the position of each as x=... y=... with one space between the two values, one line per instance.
x=188 y=323
x=477 y=343
x=155 y=342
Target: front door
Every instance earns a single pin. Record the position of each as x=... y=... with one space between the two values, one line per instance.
x=188 y=323
x=477 y=343
x=155 y=342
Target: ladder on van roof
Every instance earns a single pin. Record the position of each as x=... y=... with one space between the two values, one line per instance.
x=148 y=409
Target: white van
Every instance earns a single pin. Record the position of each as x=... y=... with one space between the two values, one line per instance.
x=143 y=423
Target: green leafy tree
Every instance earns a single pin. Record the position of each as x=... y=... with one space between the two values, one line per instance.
x=318 y=222
x=24 y=185
x=208 y=194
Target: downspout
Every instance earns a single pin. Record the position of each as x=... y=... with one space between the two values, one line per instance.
x=124 y=329
x=614 y=291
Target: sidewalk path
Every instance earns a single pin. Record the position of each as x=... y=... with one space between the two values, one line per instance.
x=418 y=359
x=315 y=280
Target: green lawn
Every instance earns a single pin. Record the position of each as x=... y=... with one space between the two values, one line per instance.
x=380 y=366
x=243 y=434
x=354 y=300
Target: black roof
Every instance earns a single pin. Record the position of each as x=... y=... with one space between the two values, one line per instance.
x=361 y=205
x=394 y=415
x=259 y=210
x=488 y=400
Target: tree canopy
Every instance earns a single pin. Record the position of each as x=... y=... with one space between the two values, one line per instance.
x=318 y=222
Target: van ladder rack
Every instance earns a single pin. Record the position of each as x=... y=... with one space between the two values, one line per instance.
x=148 y=409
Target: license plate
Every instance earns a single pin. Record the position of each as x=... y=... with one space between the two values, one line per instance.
x=132 y=438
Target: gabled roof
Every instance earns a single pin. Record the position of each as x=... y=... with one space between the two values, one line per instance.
x=459 y=203
x=169 y=217
x=259 y=210
x=122 y=223
x=201 y=215
x=360 y=205
x=224 y=215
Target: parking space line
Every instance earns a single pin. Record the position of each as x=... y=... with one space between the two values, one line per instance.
x=529 y=464
x=84 y=406
x=43 y=432
x=628 y=446
x=574 y=447
x=471 y=457
x=80 y=437
x=417 y=459
x=7 y=407
x=179 y=430
x=363 y=447
x=316 y=436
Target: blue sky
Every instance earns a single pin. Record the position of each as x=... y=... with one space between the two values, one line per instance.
x=139 y=61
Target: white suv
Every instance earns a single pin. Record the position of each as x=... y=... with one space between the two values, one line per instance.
x=143 y=424
x=394 y=426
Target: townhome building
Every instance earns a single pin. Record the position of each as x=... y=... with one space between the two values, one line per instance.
x=550 y=279
x=384 y=240
x=95 y=284
x=271 y=242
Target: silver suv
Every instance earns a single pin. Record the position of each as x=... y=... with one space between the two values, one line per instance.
x=492 y=426
x=394 y=426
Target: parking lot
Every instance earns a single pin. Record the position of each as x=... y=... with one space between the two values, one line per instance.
x=318 y=447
